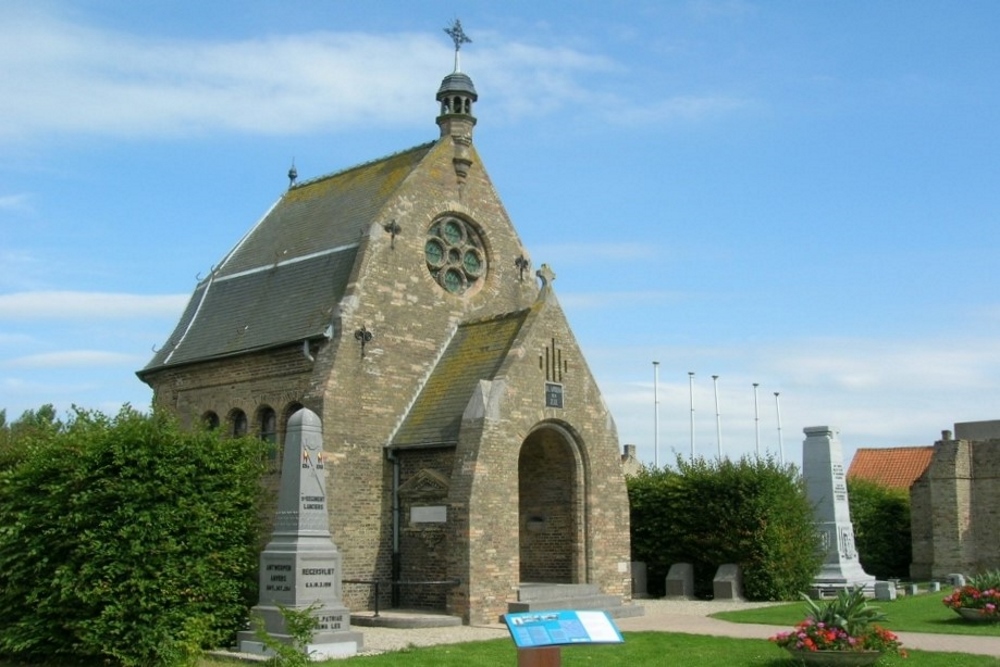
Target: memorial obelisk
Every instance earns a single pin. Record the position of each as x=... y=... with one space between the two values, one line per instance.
x=826 y=488
x=300 y=566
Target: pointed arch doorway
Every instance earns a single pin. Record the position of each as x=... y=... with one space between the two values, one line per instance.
x=551 y=508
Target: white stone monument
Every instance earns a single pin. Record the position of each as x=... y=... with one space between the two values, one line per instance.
x=300 y=566
x=826 y=488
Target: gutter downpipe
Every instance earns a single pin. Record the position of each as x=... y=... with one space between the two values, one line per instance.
x=396 y=558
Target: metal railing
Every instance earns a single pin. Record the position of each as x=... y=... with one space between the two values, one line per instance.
x=396 y=584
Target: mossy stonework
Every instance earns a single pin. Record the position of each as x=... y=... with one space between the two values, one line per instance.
x=466 y=438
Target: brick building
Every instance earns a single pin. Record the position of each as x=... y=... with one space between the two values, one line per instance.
x=465 y=437
x=954 y=504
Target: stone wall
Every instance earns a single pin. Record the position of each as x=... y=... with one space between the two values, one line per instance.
x=955 y=510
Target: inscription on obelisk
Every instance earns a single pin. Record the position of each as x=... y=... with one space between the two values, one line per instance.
x=300 y=566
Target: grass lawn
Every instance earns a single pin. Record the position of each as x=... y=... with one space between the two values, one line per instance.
x=640 y=648
x=918 y=613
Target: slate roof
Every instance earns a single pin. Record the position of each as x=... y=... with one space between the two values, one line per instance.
x=474 y=353
x=894 y=467
x=282 y=282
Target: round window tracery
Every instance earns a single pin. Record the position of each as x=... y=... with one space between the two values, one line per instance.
x=455 y=254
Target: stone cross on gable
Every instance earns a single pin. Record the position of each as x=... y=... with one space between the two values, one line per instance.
x=546 y=274
x=459 y=37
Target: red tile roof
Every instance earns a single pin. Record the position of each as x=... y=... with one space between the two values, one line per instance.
x=894 y=467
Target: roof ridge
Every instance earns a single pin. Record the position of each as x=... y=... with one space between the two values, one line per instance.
x=361 y=165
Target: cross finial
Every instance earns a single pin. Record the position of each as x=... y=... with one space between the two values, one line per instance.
x=547 y=275
x=459 y=37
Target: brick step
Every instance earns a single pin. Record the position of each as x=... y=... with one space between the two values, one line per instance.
x=529 y=592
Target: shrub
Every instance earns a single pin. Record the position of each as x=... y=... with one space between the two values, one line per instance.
x=752 y=512
x=881 y=520
x=126 y=539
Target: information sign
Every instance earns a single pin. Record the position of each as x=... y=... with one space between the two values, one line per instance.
x=535 y=629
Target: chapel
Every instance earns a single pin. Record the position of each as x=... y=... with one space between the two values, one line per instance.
x=469 y=453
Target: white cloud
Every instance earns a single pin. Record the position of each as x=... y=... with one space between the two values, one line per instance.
x=61 y=77
x=63 y=305
x=880 y=393
x=73 y=358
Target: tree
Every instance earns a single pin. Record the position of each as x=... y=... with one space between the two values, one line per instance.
x=881 y=519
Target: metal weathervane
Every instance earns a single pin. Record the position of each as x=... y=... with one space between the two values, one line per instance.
x=459 y=37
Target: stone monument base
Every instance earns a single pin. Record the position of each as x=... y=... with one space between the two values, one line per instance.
x=316 y=651
x=322 y=647
x=328 y=639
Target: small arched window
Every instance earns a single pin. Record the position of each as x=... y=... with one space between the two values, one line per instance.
x=238 y=419
x=268 y=425
x=210 y=420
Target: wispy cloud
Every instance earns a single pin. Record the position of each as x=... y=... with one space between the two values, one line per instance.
x=88 y=305
x=19 y=202
x=72 y=359
x=124 y=85
x=559 y=254
x=593 y=300
x=682 y=108
x=879 y=392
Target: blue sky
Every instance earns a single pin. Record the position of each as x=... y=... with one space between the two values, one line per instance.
x=799 y=194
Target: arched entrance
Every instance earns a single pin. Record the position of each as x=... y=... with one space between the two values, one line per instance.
x=550 y=503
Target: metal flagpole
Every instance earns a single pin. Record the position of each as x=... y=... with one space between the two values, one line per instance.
x=718 y=418
x=781 y=446
x=656 y=415
x=756 y=419
x=691 y=392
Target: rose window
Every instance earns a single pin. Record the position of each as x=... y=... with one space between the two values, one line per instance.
x=455 y=254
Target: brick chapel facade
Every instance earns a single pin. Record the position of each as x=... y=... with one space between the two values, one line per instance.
x=466 y=440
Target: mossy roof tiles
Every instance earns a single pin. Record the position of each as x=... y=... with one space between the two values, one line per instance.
x=474 y=353
x=282 y=282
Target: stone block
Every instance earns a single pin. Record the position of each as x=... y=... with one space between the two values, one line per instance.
x=885 y=591
x=680 y=581
x=934 y=586
x=640 y=588
x=728 y=582
x=957 y=580
x=912 y=589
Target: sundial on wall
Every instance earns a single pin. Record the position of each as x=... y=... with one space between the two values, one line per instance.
x=455 y=254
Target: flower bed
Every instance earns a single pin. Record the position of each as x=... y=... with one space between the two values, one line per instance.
x=844 y=626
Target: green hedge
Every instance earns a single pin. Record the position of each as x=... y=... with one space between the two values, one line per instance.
x=881 y=520
x=752 y=512
x=126 y=539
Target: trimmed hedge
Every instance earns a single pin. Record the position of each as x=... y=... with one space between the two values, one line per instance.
x=881 y=520
x=126 y=539
x=752 y=512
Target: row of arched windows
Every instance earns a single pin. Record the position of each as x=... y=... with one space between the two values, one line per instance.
x=265 y=422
